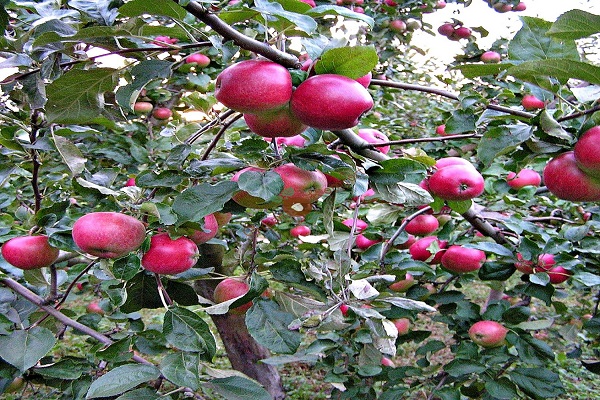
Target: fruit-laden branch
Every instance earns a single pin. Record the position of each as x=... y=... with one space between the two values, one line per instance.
x=245 y=42
x=445 y=93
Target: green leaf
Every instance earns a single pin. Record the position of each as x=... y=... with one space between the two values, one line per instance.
x=592 y=366
x=143 y=293
x=552 y=127
x=77 y=97
x=268 y=325
x=166 y=8
x=121 y=379
x=531 y=350
x=563 y=70
x=461 y=206
x=588 y=279
x=265 y=185
x=397 y=170
x=538 y=383
x=70 y=154
x=67 y=368
x=531 y=44
x=575 y=24
x=543 y=293
x=181 y=368
x=302 y=22
x=195 y=203
x=493 y=248
x=238 y=388
x=290 y=272
x=501 y=140
x=327 y=10
x=187 y=331
x=408 y=194
x=24 y=348
x=142 y=394
x=142 y=74
x=408 y=304
x=352 y=62
x=474 y=70
x=98 y=10
x=163 y=179
x=459 y=367
x=461 y=121
x=501 y=389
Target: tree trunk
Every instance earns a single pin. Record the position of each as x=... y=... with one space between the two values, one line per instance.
x=243 y=351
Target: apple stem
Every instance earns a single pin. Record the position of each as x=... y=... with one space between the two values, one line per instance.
x=162 y=292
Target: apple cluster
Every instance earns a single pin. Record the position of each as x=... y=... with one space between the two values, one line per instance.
x=454 y=32
x=502 y=6
x=272 y=108
x=575 y=175
x=545 y=263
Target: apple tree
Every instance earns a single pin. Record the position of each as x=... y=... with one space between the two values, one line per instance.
x=285 y=180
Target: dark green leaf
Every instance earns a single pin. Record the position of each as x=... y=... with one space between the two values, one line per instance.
x=121 y=379
x=70 y=154
x=531 y=350
x=538 y=383
x=187 y=331
x=326 y=10
x=290 y=272
x=99 y=10
x=563 y=70
x=461 y=121
x=516 y=315
x=182 y=369
x=459 y=367
x=268 y=325
x=142 y=74
x=23 y=349
x=142 y=292
x=496 y=271
x=501 y=389
x=163 y=179
x=352 y=62
x=592 y=325
x=166 y=8
x=142 y=394
x=575 y=24
x=68 y=368
x=238 y=388
x=125 y=268
x=501 y=140
x=543 y=293
x=593 y=367
x=530 y=43
x=493 y=248
x=195 y=203
x=265 y=185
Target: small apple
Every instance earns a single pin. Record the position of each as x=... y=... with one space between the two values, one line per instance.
x=162 y=113
x=440 y=4
x=108 y=234
x=130 y=182
x=142 y=107
x=330 y=102
x=419 y=250
x=390 y=3
x=344 y=309
x=199 y=59
x=456 y=182
x=170 y=256
x=269 y=220
x=164 y=41
x=530 y=102
x=398 y=25
x=267 y=86
x=488 y=333
x=375 y=136
x=369 y=193
x=441 y=130
x=565 y=180
x=459 y=259
x=363 y=242
x=490 y=57
x=310 y=3
x=29 y=252
x=525 y=177
x=300 y=185
x=525 y=266
x=94 y=308
x=402 y=325
x=462 y=32
x=386 y=362
x=446 y=29
x=520 y=7
x=422 y=225
x=546 y=261
x=360 y=224
x=404 y=284
x=300 y=230
x=230 y=288
x=211 y=227
x=558 y=274
x=587 y=152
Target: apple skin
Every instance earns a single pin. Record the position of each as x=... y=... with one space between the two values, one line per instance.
x=108 y=234
x=525 y=177
x=404 y=284
x=374 y=136
x=363 y=242
x=300 y=230
x=386 y=362
x=168 y=256
x=530 y=102
x=448 y=161
x=267 y=86
x=94 y=308
x=142 y=107
x=402 y=325
x=525 y=266
x=446 y=29
x=558 y=274
x=565 y=180
x=422 y=225
x=360 y=224
x=279 y=123
x=130 y=182
x=300 y=185
x=222 y=218
x=211 y=225
x=587 y=152
x=330 y=102
x=462 y=32
x=490 y=57
x=29 y=252
x=456 y=182
x=441 y=130
x=269 y=220
x=230 y=288
x=459 y=259
x=244 y=199
x=344 y=309
x=310 y=3
x=398 y=25
x=365 y=80
x=488 y=334
x=200 y=59
x=418 y=251
x=162 y=113
x=520 y=7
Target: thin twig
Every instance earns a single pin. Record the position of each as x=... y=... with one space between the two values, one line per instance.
x=389 y=243
x=218 y=136
x=579 y=114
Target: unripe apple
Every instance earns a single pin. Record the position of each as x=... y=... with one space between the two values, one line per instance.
x=300 y=230
x=530 y=102
x=441 y=130
x=211 y=227
x=446 y=29
x=300 y=185
x=363 y=242
x=330 y=102
x=230 y=288
x=566 y=181
x=418 y=251
x=413 y=25
x=254 y=86
x=29 y=252
x=456 y=182
x=525 y=177
x=142 y=107
x=375 y=136
x=201 y=60
x=404 y=284
x=162 y=113
x=108 y=234
x=170 y=256
x=490 y=57
x=398 y=25
x=459 y=259
x=587 y=152
x=488 y=333
x=462 y=32
x=360 y=224
x=279 y=123
x=402 y=325
x=422 y=225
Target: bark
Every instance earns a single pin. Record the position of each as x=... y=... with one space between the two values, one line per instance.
x=243 y=351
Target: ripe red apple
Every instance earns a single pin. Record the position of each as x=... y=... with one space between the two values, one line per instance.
x=375 y=136
x=386 y=362
x=530 y=102
x=279 y=123
x=422 y=225
x=245 y=199
x=525 y=266
x=142 y=107
x=369 y=193
x=300 y=185
x=200 y=59
x=300 y=230
x=545 y=262
x=344 y=309
x=404 y=284
x=254 y=86
x=330 y=102
x=360 y=224
x=525 y=177
x=170 y=256
x=29 y=252
x=230 y=288
x=418 y=251
x=520 y=7
x=365 y=80
x=130 y=182
x=462 y=32
x=390 y=3
x=459 y=259
x=488 y=333
x=162 y=113
x=440 y=4
x=363 y=242
x=456 y=182
x=441 y=130
x=94 y=308
x=398 y=25
x=402 y=325
x=558 y=274
x=448 y=161
x=211 y=227
x=446 y=29
x=164 y=41
x=566 y=181
x=269 y=220
x=587 y=152
x=108 y=234
x=490 y=57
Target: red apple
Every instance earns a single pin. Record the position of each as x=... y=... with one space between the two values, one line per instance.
x=587 y=152
x=108 y=234
x=566 y=181
x=211 y=227
x=245 y=199
x=162 y=113
x=558 y=274
x=404 y=284
x=142 y=107
x=459 y=259
x=254 y=86
x=363 y=242
x=446 y=29
x=94 y=308
x=365 y=80
x=530 y=102
x=525 y=177
x=344 y=309
x=422 y=225
x=130 y=182
x=29 y=252
x=359 y=10
x=398 y=25
x=170 y=256
x=300 y=185
x=375 y=136
x=402 y=325
x=488 y=333
x=369 y=193
x=490 y=57
x=300 y=230
x=525 y=266
x=198 y=58
x=448 y=161
x=330 y=102
x=456 y=182
x=441 y=130
x=462 y=32
x=386 y=362
x=418 y=251
x=269 y=220
x=164 y=41
x=310 y=3
x=440 y=4
x=390 y=3
x=360 y=224
x=279 y=123
x=520 y=7
x=230 y=288
x=545 y=262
